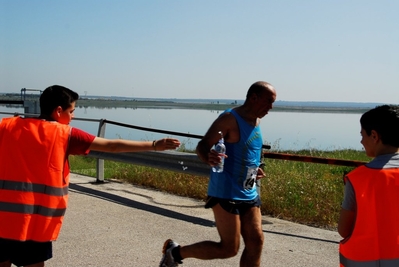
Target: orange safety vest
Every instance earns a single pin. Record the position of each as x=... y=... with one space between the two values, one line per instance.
x=375 y=237
x=33 y=185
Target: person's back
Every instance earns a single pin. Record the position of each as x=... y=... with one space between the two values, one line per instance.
x=34 y=186
x=370 y=210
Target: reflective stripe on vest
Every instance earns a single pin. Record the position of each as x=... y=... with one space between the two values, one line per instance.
x=36 y=188
x=31 y=209
x=33 y=185
x=375 y=237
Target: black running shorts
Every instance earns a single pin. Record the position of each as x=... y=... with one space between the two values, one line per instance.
x=233 y=206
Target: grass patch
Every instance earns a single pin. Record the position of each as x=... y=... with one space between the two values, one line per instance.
x=307 y=193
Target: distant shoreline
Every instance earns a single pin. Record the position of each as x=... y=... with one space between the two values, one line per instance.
x=283 y=106
x=102 y=103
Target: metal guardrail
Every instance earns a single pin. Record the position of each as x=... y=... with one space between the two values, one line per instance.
x=175 y=160
x=169 y=160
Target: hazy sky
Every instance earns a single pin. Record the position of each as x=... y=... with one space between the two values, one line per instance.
x=320 y=50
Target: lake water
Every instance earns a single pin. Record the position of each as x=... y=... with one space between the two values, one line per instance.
x=281 y=130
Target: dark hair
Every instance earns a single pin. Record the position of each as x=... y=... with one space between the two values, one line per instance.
x=385 y=121
x=54 y=96
x=257 y=88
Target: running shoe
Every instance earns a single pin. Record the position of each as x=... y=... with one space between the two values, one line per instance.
x=167 y=258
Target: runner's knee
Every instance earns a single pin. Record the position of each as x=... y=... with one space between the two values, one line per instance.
x=255 y=241
x=229 y=250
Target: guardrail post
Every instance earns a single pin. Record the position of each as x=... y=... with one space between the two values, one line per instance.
x=100 y=162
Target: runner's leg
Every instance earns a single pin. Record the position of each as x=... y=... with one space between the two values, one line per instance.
x=252 y=233
x=228 y=226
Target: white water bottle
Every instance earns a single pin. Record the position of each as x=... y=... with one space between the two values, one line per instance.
x=220 y=148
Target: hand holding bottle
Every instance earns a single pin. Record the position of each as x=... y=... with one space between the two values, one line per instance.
x=220 y=148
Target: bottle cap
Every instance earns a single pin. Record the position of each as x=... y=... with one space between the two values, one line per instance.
x=221 y=136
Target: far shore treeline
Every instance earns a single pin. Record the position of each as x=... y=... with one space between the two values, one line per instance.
x=207 y=104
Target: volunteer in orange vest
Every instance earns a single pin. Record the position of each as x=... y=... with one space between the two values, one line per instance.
x=369 y=220
x=34 y=174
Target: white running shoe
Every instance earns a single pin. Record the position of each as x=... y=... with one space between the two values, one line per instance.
x=167 y=258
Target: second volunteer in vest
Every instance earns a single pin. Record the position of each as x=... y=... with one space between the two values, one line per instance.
x=370 y=210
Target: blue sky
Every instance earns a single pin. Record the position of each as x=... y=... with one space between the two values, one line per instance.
x=309 y=50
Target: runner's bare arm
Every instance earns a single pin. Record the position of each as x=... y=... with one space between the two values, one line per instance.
x=225 y=124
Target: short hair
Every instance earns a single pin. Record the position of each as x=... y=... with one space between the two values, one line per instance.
x=258 y=88
x=385 y=121
x=54 y=96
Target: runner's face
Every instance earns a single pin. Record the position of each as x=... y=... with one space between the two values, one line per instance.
x=265 y=103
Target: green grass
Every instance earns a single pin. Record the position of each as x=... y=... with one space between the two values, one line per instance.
x=306 y=193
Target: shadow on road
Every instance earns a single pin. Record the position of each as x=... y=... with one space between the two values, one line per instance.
x=138 y=205
x=167 y=212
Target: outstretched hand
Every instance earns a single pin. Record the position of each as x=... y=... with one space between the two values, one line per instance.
x=166 y=144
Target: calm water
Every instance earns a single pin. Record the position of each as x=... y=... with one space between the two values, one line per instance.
x=282 y=130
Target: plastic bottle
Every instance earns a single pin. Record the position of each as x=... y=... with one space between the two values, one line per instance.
x=220 y=148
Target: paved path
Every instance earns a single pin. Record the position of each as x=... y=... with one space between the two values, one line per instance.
x=115 y=224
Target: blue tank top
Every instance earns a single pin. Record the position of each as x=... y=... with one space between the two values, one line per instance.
x=238 y=179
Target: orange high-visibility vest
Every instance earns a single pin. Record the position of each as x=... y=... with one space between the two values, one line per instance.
x=375 y=237
x=33 y=185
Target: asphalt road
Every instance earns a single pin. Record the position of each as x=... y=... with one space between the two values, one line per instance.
x=115 y=224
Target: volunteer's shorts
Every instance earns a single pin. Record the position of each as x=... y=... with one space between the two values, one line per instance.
x=22 y=253
x=233 y=206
